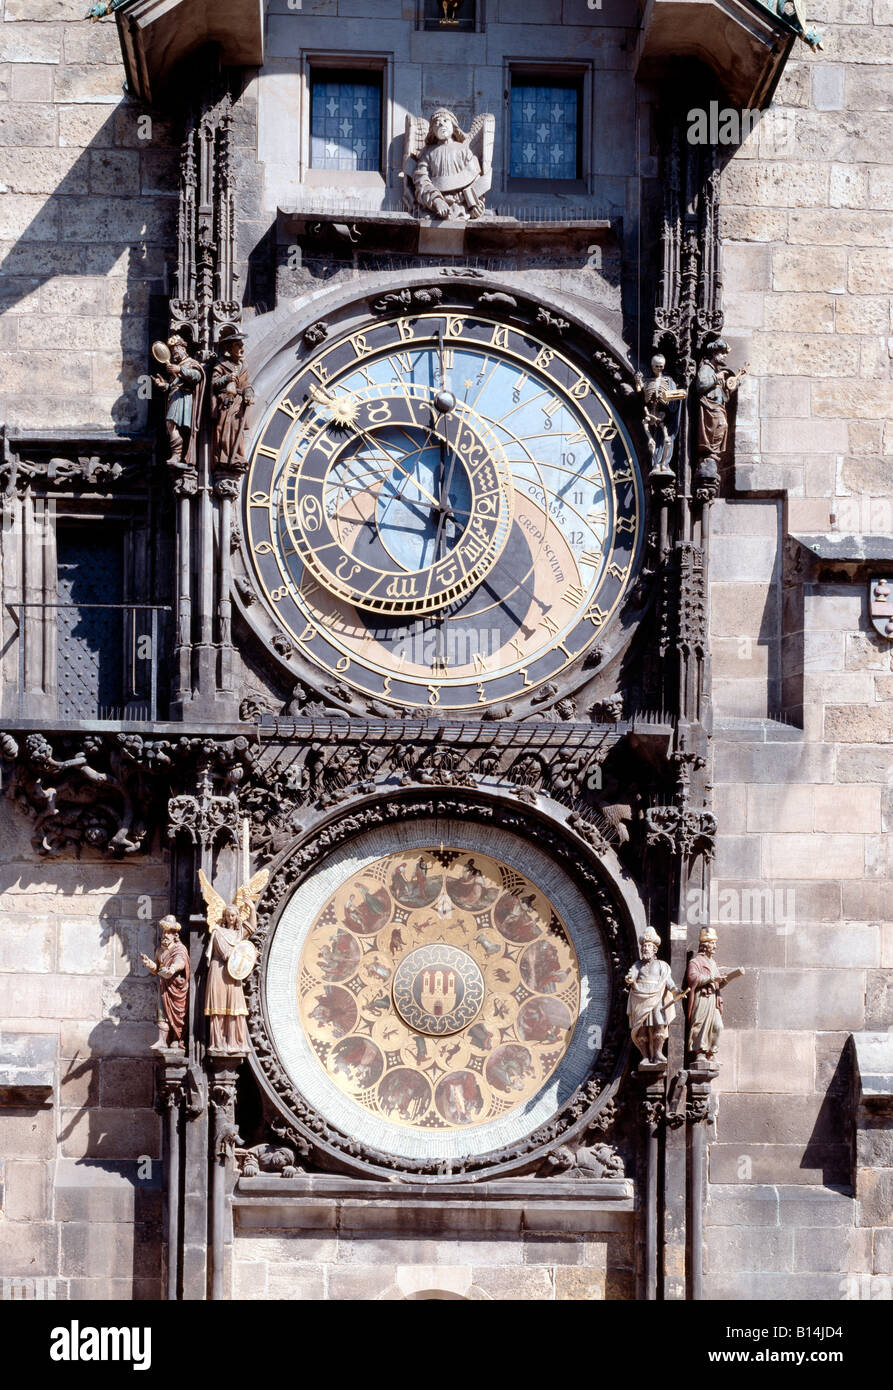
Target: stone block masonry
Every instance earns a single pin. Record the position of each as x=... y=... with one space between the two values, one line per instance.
x=79 y=1135
x=807 y=228
x=84 y=226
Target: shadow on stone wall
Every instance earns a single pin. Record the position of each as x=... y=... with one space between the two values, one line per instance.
x=95 y=258
x=830 y=1145
x=73 y=935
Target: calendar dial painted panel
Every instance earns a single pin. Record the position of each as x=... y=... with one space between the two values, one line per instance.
x=444 y=510
x=432 y=999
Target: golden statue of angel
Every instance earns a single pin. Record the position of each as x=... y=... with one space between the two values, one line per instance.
x=232 y=956
x=446 y=172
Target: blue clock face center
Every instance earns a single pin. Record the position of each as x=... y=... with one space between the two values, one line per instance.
x=414 y=531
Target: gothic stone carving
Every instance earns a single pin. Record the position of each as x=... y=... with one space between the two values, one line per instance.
x=91 y=463
x=447 y=173
x=681 y=830
x=266 y=1158
x=90 y=791
x=210 y=812
x=347 y=761
x=598 y=1160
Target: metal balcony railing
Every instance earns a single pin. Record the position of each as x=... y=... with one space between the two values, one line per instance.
x=101 y=668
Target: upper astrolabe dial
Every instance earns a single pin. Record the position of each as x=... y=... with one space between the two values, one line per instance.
x=443 y=510
x=400 y=503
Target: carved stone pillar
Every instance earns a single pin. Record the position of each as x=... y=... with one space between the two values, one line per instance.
x=170 y=1093
x=698 y=1113
x=653 y=1109
x=224 y=1071
x=204 y=301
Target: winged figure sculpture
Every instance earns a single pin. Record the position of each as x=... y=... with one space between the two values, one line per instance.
x=447 y=173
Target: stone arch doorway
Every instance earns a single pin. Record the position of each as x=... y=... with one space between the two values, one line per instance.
x=429 y=1282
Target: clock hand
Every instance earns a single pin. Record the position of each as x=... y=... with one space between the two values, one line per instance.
x=528 y=593
x=421 y=488
x=445 y=508
x=344 y=410
x=443 y=378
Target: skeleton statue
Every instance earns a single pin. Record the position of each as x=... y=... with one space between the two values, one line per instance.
x=659 y=393
x=447 y=171
x=231 y=958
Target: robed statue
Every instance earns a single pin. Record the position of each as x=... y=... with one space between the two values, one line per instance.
x=714 y=385
x=183 y=386
x=447 y=173
x=705 y=981
x=231 y=958
x=231 y=397
x=171 y=966
x=651 y=1004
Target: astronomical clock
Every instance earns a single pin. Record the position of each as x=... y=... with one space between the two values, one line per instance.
x=444 y=528
x=443 y=510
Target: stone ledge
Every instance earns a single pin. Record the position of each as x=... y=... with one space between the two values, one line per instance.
x=873 y=1079
x=754 y=729
x=27 y=1068
x=388 y=230
x=847 y=549
x=322 y=1202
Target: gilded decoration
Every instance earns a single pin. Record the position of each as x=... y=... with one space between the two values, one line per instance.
x=439 y=989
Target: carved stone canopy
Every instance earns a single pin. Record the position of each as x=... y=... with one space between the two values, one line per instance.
x=745 y=45
x=156 y=35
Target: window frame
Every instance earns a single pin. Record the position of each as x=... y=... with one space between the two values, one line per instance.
x=342 y=66
x=571 y=75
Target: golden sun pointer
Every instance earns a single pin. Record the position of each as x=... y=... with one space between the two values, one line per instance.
x=343 y=409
